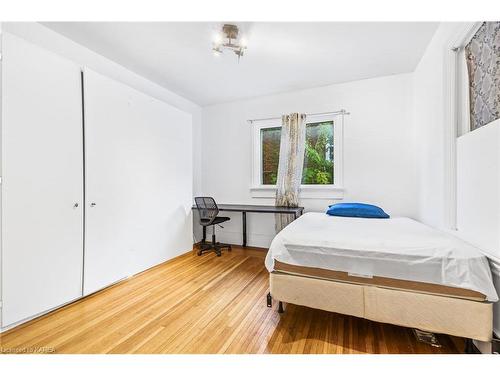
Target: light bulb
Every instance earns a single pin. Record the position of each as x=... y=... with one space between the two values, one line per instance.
x=217 y=38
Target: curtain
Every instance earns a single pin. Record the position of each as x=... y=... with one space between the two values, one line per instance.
x=483 y=65
x=291 y=162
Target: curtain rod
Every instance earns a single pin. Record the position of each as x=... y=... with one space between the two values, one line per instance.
x=341 y=112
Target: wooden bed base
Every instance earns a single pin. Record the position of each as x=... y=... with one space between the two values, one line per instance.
x=429 y=312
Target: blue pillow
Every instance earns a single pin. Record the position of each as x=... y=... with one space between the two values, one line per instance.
x=356 y=210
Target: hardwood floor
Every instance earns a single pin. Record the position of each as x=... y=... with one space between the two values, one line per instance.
x=206 y=304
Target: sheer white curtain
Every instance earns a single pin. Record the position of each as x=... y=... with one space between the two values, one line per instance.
x=291 y=162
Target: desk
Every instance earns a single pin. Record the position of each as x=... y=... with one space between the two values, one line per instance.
x=244 y=208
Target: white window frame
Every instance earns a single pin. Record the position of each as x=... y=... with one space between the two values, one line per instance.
x=456 y=116
x=308 y=191
x=459 y=75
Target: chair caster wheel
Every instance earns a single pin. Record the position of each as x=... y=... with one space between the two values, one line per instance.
x=199 y=253
x=219 y=254
x=229 y=248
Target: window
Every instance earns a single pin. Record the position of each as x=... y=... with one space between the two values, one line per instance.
x=322 y=156
x=318 y=155
x=468 y=66
x=474 y=70
x=483 y=64
x=270 y=148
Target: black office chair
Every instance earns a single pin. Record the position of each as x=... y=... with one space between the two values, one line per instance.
x=208 y=211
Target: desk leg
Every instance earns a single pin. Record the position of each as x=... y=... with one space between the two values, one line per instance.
x=244 y=220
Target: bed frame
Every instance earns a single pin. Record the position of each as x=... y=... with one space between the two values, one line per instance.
x=429 y=312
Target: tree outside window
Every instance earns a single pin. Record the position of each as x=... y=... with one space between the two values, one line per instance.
x=318 y=157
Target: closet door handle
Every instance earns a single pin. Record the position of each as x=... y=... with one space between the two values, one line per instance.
x=75 y=205
x=92 y=204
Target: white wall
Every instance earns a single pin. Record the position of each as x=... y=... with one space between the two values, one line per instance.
x=52 y=41
x=379 y=159
x=478 y=195
x=478 y=187
x=435 y=157
x=430 y=116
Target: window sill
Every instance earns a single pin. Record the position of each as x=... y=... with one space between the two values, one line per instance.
x=329 y=192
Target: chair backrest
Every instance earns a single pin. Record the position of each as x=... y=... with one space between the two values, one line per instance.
x=207 y=209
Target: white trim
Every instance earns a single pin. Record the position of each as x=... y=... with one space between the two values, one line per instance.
x=306 y=191
x=452 y=116
x=257 y=126
x=1 y=172
x=328 y=192
x=458 y=72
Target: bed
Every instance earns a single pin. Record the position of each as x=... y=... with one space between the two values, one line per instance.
x=393 y=270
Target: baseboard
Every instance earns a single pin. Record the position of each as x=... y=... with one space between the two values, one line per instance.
x=197 y=245
x=236 y=237
x=34 y=318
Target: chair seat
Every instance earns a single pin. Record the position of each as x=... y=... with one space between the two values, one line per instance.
x=217 y=220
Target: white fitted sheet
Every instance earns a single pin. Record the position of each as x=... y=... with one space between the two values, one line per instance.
x=399 y=248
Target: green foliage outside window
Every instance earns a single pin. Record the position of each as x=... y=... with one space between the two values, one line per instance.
x=318 y=157
x=270 y=141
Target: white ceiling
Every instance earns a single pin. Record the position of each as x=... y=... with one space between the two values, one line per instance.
x=280 y=57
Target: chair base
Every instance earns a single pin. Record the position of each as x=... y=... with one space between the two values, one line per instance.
x=215 y=247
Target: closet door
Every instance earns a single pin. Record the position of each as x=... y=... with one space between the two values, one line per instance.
x=42 y=181
x=138 y=181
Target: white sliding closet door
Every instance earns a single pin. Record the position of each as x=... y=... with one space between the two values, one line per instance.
x=42 y=181
x=138 y=181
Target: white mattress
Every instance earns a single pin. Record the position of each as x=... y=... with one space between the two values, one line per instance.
x=399 y=248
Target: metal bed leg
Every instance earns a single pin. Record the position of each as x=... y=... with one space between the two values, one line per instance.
x=244 y=223
x=495 y=344
x=269 y=300
x=280 y=307
x=469 y=347
x=270 y=303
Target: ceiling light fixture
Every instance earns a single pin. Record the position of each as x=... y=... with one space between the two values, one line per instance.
x=228 y=39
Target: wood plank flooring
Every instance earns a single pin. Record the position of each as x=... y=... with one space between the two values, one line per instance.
x=206 y=304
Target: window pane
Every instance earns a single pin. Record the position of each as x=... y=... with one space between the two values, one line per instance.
x=482 y=64
x=318 y=157
x=270 y=141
